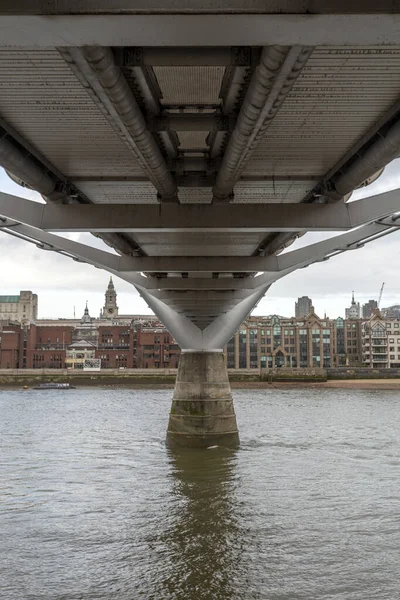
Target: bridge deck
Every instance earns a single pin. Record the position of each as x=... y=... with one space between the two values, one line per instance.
x=238 y=122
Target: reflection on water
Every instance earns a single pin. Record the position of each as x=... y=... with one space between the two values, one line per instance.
x=94 y=506
x=203 y=539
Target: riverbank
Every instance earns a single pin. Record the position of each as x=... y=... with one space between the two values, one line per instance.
x=366 y=384
x=239 y=378
x=356 y=384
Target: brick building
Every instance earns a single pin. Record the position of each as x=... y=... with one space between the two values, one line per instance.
x=155 y=347
x=132 y=341
x=143 y=343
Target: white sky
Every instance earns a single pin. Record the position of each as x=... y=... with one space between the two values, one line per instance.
x=63 y=284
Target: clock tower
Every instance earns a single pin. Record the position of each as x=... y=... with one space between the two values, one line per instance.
x=110 y=309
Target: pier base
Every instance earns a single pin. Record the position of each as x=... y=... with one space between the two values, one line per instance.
x=202 y=412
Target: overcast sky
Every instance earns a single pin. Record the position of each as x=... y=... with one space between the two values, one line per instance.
x=63 y=284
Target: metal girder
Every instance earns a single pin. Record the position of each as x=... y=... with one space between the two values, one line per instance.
x=304 y=257
x=272 y=81
x=104 y=81
x=71 y=249
x=195 y=284
x=124 y=264
x=310 y=7
x=241 y=56
x=186 y=163
x=25 y=165
x=207 y=310
x=185 y=179
x=201 y=295
x=191 y=122
x=198 y=217
x=205 y=327
x=200 y=29
x=148 y=94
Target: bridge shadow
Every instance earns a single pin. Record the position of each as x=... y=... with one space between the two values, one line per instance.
x=202 y=541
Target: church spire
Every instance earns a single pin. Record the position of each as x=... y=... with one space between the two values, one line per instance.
x=86 y=316
x=352 y=298
x=110 y=309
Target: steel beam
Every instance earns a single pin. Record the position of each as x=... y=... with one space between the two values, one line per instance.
x=191 y=122
x=186 y=163
x=310 y=7
x=239 y=56
x=105 y=83
x=199 y=217
x=195 y=30
x=183 y=164
x=201 y=295
x=204 y=327
x=197 y=283
x=272 y=81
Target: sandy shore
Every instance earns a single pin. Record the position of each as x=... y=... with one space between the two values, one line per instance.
x=356 y=384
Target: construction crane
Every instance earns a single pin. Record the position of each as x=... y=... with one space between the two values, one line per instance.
x=380 y=295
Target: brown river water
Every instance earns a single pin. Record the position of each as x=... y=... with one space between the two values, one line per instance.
x=93 y=505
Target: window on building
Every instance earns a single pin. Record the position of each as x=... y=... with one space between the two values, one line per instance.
x=242 y=349
x=303 y=343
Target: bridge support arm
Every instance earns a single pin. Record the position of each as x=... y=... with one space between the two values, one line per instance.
x=170 y=217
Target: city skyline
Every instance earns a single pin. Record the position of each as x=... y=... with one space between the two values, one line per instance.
x=102 y=313
x=62 y=283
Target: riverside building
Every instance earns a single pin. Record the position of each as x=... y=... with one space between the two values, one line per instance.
x=368 y=308
x=119 y=341
x=274 y=342
x=302 y=307
x=21 y=308
x=134 y=341
x=381 y=342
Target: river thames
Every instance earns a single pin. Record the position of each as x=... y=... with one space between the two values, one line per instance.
x=94 y=506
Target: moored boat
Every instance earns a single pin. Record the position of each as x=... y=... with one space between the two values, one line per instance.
x=54 y=386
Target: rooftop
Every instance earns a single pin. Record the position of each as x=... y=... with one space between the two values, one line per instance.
x=9 y=299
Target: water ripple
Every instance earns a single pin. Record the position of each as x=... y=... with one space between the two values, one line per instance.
x=93 y=505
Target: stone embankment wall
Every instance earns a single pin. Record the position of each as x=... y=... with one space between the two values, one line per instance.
x=30 y=377
x=362 y=373
x=300 y=374
x=140 y=377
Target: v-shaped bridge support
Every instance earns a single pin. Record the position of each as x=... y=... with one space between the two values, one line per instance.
x=201 y=311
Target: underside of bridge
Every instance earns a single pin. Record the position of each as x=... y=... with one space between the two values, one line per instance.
x=199 y=140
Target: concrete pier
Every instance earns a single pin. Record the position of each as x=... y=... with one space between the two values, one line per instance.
x=202 y=412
